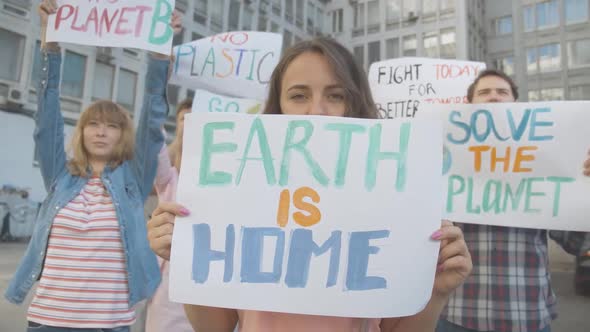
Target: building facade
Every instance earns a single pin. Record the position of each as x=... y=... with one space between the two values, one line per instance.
x=543 y=44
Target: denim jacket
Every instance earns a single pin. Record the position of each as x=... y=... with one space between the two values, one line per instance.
x=128 y=184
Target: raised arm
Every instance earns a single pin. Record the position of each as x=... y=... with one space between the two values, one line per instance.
x=49 y=124
x=154 y=109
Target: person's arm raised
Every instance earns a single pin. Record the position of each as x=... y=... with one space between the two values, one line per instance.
x=154 y=109
x=49 y=123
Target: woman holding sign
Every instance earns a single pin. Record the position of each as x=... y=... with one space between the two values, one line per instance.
x=89 y=247
x=320 y=77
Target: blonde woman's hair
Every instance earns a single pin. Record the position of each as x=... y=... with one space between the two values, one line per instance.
x=103 y=111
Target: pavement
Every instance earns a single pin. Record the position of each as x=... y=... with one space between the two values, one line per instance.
x=574 y=310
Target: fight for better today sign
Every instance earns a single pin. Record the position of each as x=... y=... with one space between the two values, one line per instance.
x=299 y=208
x=402 y=87
x=141 y=24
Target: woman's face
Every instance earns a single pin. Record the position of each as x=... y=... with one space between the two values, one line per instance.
x=309 y=87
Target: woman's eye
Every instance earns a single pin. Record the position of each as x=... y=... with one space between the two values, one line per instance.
x=113 y=125
x=336 y=97
x=298 y=96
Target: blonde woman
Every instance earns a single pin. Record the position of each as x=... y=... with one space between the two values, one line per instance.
x=89 y=249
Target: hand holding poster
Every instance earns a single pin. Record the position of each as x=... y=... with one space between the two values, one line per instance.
x=142 y=24
x=285 y=209
x=205 y=101
x=403 y=86
x=235 y=63
x=517 y=164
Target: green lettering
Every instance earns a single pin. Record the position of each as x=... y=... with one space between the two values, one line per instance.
x=164 y=19
x=346 y=130
x=530 y=193
x=375 y=155
x=206 y=177
x=451 y=191
x=495 y=203
x=557 y=193
x=267 y=161
x=290 y=145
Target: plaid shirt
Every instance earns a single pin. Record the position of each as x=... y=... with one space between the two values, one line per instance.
x=509 y=289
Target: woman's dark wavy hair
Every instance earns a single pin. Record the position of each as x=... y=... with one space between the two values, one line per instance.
x=359 y=101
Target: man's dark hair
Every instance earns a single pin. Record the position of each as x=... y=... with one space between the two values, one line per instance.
x=492 y=72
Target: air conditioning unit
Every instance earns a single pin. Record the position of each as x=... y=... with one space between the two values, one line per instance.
x=16 y=96
x=17 y=9
x=412 y=16
x=104 y=54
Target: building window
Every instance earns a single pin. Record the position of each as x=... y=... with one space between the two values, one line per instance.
x=287 y=39
x=36 y=70
x=506 y=65
x=429 y=7
x=531 y=60
x=580 y=92
x=409 y=9
x=247 y=18
x=173 y=94
x=216 y=14
x=359 y=54
x=547 y=14
x=359 y=16
x=373 y=16
x=549 y=57
x=541 y=15
x=409 y=45
x=200 y=13
x=276 y=7
x=529 y=18
x=310 y=19
x=197 y=36
x=448 y=49
x=178 y=39
x=127 y=89
x=319 y=21
x=274 y=27
x=374 y=49
x=12 y=47
x=392 y=13
x=576 y=11
x=289 y=11
x=578 y=53
x=233 y=15
x=337 y=20
x=74 y=69
x=546 y=94
x=299 y=13
x=544 y=58
x=430 y=44
x=392 y=48
x=102 y=87
x=503 y=25
x=262 y=23
x=447 y=5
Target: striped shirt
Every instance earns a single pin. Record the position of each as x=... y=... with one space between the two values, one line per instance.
x=84 y=279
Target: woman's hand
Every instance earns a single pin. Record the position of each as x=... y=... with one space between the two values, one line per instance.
x=46 y=8
x=161 y=225
x=454 y=260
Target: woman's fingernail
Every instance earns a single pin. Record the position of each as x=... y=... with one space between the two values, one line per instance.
x=184 y=212
x=436 y=235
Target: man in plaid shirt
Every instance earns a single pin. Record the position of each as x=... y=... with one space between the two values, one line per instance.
x=509 y=289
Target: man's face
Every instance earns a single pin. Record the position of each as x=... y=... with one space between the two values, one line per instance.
x=492 y=89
